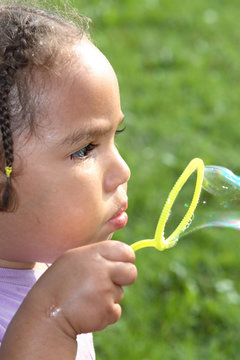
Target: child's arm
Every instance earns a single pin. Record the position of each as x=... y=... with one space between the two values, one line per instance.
x=79 y=293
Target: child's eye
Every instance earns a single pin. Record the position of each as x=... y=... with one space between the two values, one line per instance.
x=84 y=152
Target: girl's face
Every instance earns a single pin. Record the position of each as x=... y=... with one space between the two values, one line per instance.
x=73 y=182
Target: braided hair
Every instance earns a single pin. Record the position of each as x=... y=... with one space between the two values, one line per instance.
x=30 y=40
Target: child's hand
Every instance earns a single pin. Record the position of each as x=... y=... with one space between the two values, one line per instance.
x=82 y=290
x=79 y=293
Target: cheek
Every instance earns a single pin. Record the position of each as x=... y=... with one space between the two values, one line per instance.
x=62 y=198
x=74 y=200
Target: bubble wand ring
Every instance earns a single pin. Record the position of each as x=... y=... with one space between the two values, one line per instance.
x=159 y=242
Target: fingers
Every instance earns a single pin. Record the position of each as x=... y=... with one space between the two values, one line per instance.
x=123 y=274
x=111 y=317
x=118 y=294
x=116 y=313
x=121 y=258
x=116 y=251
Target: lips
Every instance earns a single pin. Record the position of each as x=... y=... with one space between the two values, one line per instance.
x=120 y=218
x=120 y=210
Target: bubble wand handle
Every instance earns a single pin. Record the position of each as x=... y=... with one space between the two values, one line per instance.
x=159 y=241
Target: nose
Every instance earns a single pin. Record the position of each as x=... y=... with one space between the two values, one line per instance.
x=117 y=171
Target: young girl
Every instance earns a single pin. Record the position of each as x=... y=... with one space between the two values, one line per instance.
x=62 y=189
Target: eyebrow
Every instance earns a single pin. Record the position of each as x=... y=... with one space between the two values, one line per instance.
x=84 y=134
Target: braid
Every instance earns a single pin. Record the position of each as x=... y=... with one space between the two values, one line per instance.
x=7 y=140
x=13 y=58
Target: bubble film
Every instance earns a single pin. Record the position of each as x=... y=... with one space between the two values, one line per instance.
x=219 y=204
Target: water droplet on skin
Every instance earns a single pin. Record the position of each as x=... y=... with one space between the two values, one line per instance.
x=54 y=311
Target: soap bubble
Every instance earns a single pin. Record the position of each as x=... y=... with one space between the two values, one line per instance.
x=219 y=204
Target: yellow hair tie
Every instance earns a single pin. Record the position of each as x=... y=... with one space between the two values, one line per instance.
x=8 y=170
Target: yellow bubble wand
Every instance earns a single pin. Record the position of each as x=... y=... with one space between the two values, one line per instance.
x=159 y=241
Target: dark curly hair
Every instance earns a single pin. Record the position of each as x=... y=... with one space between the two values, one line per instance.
x=31 y=41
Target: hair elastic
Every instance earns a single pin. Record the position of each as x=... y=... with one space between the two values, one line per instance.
x=8 y=170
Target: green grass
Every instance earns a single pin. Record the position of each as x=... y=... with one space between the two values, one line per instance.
x=179 y=74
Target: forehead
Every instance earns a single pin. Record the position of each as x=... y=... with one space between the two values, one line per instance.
x=85 y=93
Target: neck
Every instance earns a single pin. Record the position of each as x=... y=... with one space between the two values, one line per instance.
x=22 y=265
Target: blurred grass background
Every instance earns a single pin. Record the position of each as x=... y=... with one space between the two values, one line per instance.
x=179 y=74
